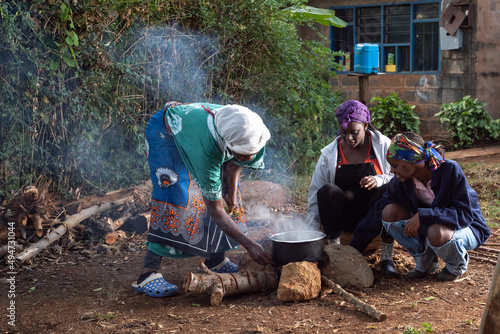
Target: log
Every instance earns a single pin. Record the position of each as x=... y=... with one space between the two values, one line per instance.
x=220 y=285
x=37 y=222
x=5 y=249
x=95 y=199
x=70 y=222
x=359 y=304
x=111 y=237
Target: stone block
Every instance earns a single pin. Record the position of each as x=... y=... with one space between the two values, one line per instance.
x=422 y=81
x=299 y=281
x=407 y=95
x=386 y=80
x=349 y=80
x=453 y=66
x=452 y=95
x=428 y=95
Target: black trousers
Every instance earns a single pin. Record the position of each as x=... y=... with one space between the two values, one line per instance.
x=341 y=212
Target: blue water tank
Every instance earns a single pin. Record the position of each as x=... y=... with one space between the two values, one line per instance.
x=366 y=58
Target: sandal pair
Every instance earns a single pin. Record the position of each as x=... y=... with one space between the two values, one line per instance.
x=156 y=286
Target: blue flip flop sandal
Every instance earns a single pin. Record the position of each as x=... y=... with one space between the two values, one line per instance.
x=156 y=286
x=225 y=267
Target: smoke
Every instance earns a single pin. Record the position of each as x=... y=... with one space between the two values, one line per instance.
x=171 y=62
x=277 y=221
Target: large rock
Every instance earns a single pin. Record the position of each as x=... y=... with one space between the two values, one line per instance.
x=261 y=194
x=299 y=281
x=346 y=267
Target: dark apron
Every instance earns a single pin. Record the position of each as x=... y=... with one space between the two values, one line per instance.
x=347 y=178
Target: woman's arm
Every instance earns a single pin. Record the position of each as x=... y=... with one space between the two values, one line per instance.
x=232 y=175
x=226 y=224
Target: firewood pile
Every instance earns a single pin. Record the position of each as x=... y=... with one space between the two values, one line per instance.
x=35 y=218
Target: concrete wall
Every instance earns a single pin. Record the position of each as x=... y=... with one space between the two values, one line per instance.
x=472 y=70
x=488 y=54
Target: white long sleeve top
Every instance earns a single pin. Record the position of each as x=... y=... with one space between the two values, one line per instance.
x=327 y=166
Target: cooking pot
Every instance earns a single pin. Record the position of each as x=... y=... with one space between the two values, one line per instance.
x=297 y=246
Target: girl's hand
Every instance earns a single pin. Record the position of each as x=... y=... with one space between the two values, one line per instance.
x=368 y=182
x=411 y=229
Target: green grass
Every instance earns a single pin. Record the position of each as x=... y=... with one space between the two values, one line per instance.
x=484 y=178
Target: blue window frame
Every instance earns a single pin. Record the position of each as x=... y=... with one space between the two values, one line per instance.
x=407 y=34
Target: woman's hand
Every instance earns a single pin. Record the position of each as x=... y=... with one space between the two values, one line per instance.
x=368 y=182
x=227 y=224
x=411 y=229
x=232 y=206
x=257 y=253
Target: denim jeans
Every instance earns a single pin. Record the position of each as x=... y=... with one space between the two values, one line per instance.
x=453 y=253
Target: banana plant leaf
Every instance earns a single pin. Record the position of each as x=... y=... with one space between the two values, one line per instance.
x=322 y=16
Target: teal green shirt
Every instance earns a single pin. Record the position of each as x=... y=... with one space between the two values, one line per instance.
x=201 y=147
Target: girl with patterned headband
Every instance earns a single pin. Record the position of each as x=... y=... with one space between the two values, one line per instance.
x=430 y=209
x=350 y=176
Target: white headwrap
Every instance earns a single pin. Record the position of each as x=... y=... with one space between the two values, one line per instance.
x=243 y=130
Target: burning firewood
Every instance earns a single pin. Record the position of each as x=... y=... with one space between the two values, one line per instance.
x=220 y=285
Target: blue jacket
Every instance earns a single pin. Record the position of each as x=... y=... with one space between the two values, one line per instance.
x=455 y=205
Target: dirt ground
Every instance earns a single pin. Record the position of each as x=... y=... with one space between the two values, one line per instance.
x=87 y=289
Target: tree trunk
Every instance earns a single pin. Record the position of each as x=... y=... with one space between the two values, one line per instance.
x=220 y=285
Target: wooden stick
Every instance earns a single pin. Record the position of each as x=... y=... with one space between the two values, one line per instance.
x=368 y=309
x=491 y=256
x=482 y=259
x=492 y=250
x=70 y=222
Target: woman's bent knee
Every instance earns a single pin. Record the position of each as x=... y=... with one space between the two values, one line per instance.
x=395 y=212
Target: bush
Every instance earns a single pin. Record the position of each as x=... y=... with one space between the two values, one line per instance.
x=391 y=116
x=79 y=83
x=467 y=121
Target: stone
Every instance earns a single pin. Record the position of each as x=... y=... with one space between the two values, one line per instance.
x=346 y=267
x=258 y=194
x=299 y=281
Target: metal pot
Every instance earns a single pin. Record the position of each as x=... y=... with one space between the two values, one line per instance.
x=297 y=246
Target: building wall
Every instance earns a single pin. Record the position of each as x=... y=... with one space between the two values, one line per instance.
x=488 y=54
x=458 y=70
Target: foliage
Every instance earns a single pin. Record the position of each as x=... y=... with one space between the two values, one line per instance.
x=80 y=80
x=391 y=116
x=468 y=121
x=323 y=16
x=425 y=328
x=484 y=178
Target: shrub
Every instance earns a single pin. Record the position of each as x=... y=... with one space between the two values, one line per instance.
x=467 y=121
x=79 y=83
x=391 y=116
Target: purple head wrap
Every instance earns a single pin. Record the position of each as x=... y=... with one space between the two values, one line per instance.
x=352 y=111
